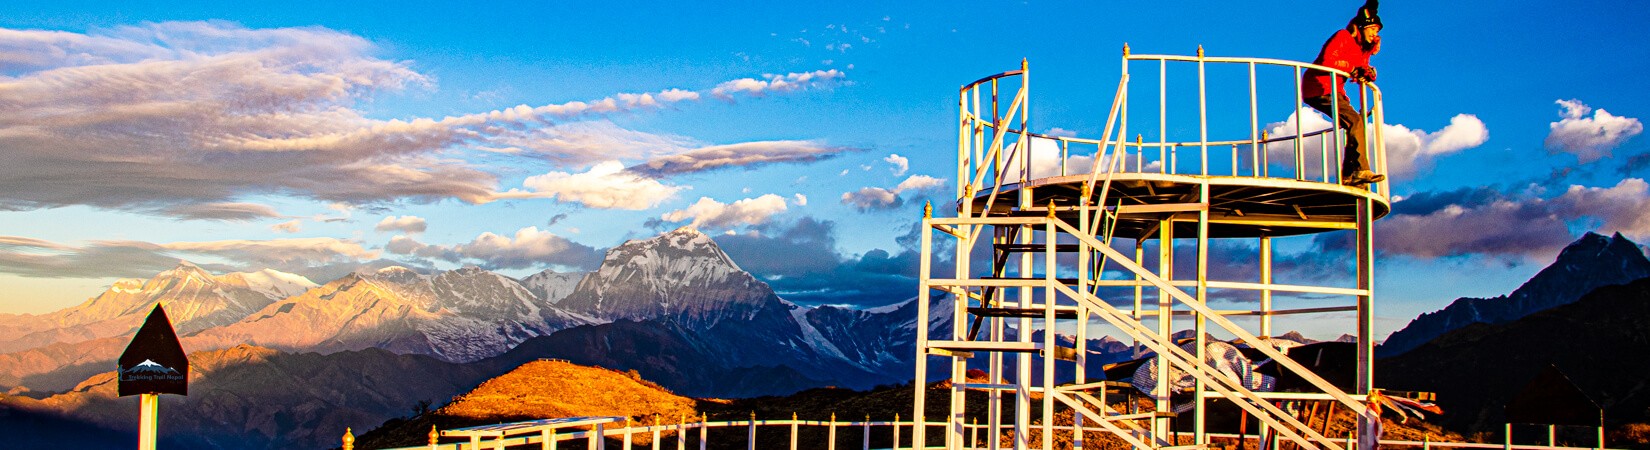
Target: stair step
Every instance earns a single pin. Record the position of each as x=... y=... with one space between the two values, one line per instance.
x=1066 y=281
x=1060 y=312
x=988 y=386
x=1105 y=384
x=985 y=346
x=1036 y=248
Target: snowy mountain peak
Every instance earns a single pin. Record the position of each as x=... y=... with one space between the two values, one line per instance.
x=680 y=274
x=270 y=282
x=184 y=272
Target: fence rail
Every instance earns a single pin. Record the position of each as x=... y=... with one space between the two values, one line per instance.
x=682 y=431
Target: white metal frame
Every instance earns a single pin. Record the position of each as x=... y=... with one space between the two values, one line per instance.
x=995 y=156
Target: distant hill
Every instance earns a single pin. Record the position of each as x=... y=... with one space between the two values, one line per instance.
x=250 y=398
x=538 y=390
x=1600 y=341
x=1586 y=264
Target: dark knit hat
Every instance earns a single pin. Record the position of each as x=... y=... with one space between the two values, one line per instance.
x=1367 y=15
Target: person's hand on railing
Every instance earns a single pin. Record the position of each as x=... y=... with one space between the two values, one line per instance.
x=1363 y=75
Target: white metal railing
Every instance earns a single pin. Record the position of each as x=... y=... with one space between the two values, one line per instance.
x=677 y=436
x=1033 y=155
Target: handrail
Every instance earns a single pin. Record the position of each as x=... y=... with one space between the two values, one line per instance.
x=1248 y=153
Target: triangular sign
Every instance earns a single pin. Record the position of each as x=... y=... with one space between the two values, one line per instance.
x=154 y=363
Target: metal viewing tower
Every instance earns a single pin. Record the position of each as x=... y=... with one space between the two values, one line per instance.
x=1058 y=215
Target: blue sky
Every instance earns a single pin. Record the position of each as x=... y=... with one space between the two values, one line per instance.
x=316 y=137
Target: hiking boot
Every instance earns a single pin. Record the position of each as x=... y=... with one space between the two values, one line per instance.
x=1361 y=178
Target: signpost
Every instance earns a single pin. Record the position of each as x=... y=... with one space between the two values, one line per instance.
x=153 y=364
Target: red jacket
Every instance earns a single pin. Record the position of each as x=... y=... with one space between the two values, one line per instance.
x=1340 y=52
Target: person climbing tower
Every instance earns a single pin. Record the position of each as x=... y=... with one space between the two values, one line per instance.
x=1348 y=50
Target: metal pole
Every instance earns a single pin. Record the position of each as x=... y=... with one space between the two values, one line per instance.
x=148 y=419
x=1161 y=426
x=1300 y=159
x=793 y=431
x=1139 y=292
x=596 y=440
x=1200 y=328
x=1366 y=302
x=548 y=435
x=1049 y=267
x=1202 y=119
x=1163 y=115
x=750 y=433
x=1254 y=123
x=1266 y=292
x=627 y=432
x=920 y=397
x=704 y=429
x=1323 y=152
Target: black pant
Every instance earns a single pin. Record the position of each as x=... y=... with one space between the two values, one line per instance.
x=1354 y=159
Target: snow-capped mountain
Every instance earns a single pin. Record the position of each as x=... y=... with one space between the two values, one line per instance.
x=461 y=315
x=552 y=286
x=194 y=299
x=680 y=275
x=725 y=320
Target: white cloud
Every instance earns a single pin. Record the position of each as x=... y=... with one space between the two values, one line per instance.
x=900 y=163
x=801 y=200
x=709 y=213
x=871 y=198
x=1408 y=151
x=606 y=185
x=290 y=226
x=876 y=198
x=1589 y=138
x=404 y=224
x=918 y=182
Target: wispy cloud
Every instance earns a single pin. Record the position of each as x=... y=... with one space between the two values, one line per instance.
x=41 y=258
x=746 y=154
x=168 y=115
x=404 y=224
x=228 y=211
x=774 y=83
x=529 y=247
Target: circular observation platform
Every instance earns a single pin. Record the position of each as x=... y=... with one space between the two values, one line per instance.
x=1239 y=207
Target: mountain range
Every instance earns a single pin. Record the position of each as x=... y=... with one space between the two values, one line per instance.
x=693 y=316
x=1591 y=262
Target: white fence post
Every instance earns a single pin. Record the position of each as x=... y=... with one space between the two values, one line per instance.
x=865 y=444
x=830 y=440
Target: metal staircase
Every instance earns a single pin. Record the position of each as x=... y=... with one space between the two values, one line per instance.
x=1054 y=267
